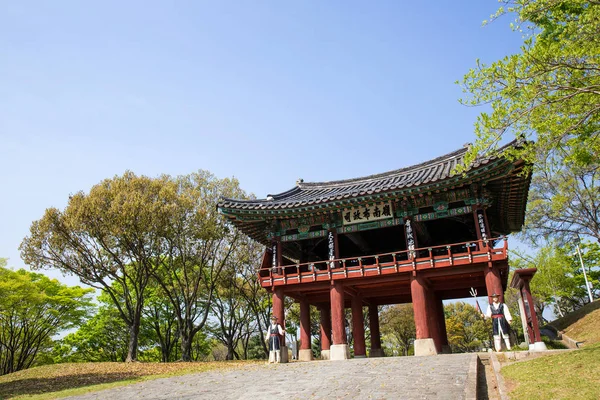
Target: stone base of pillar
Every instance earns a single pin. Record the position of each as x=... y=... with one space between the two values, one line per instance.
x=446 y=349
x=324 y=354
x=284 y=355
x=305 y=355
x=538 y=346
x=339 y=352
x=360 y=356
x=376 y=353
x=425 y=347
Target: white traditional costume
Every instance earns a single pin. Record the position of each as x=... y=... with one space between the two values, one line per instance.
x=274 y=335
x=501 y=319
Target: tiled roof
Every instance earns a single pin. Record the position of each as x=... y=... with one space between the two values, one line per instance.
x=317 y=193
x=504 y=179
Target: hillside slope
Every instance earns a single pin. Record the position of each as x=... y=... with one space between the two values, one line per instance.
x=582 y=325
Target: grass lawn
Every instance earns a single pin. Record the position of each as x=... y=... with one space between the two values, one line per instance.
x=61 y=380
x=571 y=375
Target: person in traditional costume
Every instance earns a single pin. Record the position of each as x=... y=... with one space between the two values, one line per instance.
x=274 y=334
x=501 y=319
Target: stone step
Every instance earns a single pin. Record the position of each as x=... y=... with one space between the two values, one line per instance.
x=484 y=358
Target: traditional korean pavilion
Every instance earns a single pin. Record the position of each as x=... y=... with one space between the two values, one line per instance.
x=419 y=235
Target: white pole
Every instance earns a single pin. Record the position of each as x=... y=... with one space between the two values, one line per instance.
x=587 y=285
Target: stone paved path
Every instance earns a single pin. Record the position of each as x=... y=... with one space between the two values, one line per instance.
x=436 y=377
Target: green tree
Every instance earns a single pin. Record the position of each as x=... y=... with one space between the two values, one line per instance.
x=255 y=347
x=161 y=318
x=553 y=280
x=559 y=280
x=563 y=201
x=257 y=299
x=105 y=337
x=590 y=254
x=231 y=314
x=550 y=91
x=467 y=330
x=398 y=326
x=198 y=245
x=202 y=346
x=33 y=308
x=116 y=233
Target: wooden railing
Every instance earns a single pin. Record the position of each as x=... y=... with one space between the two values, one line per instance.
x=444 y=256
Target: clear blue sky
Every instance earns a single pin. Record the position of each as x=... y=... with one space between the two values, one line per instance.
x=266 y=91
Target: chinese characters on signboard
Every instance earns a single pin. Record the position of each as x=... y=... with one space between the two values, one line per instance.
x=331 y=242
x=367 y=213
x=274 y=261
x=410 y=238
x=481 y=223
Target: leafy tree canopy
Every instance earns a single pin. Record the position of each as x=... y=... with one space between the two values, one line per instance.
x=398 y=326
x=199 y=245
x=467 y=330
x=33 y=308
x=559 y=281
x=131 y=229
x=563 y=202
x=550 y=92
x=113 y=234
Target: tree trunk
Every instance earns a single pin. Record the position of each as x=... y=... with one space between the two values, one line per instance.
x=230 y=351
x=261 y=333
x=134 y=331
x=187 y=337
x=163 y=342
x=186 y=347
x=164 y=352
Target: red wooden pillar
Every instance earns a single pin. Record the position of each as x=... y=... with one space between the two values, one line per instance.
x=325 y=332
x=525 y=311
x=304 y=325
x=425 y=344
x=278 y=308
x=376 y=350
x=442 y=321
x=358 y=327
x=521 y=278
x=305 y=353
x=337 y=313
x=534 y=322
x=419 y=300
x=440 y=325
x=493 y=283
x=339 y=349
x=433 y=319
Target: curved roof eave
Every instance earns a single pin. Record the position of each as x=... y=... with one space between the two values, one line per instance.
x=318 y=194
